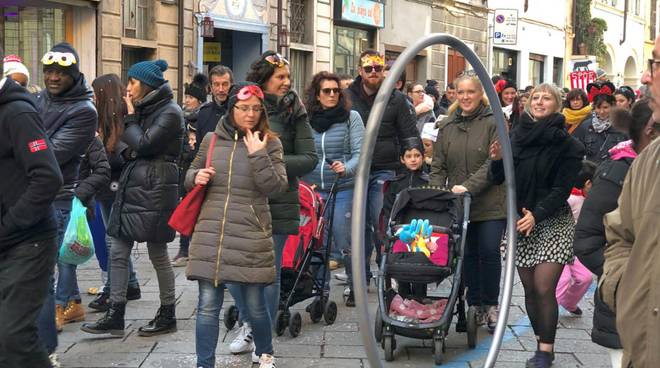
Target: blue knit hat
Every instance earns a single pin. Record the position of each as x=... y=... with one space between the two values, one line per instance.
x=149 y=72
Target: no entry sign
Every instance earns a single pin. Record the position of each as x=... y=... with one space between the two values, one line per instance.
x=580 y=79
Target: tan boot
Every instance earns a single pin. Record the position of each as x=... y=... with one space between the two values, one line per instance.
x=74 y=312
x=59 y=317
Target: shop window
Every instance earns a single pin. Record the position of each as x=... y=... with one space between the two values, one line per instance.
x=301 y=70
x=536 y=66
x=349 y=43
x=30 y=32
x=137 y=18
x=132 y=55
x=558 y=72
x=505 y=63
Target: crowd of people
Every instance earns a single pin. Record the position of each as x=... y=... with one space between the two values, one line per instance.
x=132 y=153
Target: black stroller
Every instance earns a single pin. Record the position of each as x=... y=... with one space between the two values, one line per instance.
x=449 y=217
x=304 y=262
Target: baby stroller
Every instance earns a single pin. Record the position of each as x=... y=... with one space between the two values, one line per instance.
x=303 y=258
x=449 y=219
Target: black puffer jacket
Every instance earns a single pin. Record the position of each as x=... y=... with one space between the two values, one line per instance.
x=288 y=118
x=399 y=122
x=94 y=174
x=596 y=144
x=589 y=243
x=70 y=122
x=148 y=186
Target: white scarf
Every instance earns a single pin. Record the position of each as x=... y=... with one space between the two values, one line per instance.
x=600 y=125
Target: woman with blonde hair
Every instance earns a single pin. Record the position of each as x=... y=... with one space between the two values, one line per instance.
x=460 y=162
x=547 y=161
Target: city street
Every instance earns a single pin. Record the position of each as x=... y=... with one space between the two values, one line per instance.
x=318 y=345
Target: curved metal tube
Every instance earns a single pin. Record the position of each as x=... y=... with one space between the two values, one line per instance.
x=362 y=185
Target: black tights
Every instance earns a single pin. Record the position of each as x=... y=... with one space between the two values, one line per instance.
x=540 y=283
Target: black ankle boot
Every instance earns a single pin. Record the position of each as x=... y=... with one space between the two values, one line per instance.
x=133 y=293
x=164 y=322
x=541 y=359
x=112 y=322
x=350 y=299
x=101 y=303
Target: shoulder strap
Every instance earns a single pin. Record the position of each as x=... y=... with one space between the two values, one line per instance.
x=209 y=152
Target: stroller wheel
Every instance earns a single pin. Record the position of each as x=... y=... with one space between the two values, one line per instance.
x=378 y=326
x=330 y=312
x=472 y=327
x=438 y=350
x=231 y=317
x=316 y=311
x=295 y=324
x=389 y=344
x=281 y=322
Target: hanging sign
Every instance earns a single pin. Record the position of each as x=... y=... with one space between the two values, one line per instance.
x=581 y=78
x=505 y=27
x=365 y=12
x=212 y=52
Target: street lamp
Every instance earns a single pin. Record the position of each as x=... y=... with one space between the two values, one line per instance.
x=208 y=28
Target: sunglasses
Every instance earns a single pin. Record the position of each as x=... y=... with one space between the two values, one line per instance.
x=245 y=108
x=372 y=68
x=277 y=60
x=327 y=91
x=61 y=58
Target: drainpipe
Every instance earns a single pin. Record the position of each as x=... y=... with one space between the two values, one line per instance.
x=625 y=22
x=279 y=26
x=179 y=95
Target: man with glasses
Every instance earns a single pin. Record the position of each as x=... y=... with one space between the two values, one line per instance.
x=397 y=124
x=70 y=120
x=221 y=79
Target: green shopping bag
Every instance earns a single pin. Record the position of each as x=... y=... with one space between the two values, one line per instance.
x=78 y=245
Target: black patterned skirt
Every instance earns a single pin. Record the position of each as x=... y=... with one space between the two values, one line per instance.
x=551 y=241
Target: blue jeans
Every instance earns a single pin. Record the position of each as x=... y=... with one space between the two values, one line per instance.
x=341 y=230
x=67 y=280
x=374 y=207
x=208 y=320
x=272 y=291
x=106 y=206
x=483 y=266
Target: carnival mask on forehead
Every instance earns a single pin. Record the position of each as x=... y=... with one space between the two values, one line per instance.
x=277 y=60
x=61 y=58
x=248 y=91
x=369 y=60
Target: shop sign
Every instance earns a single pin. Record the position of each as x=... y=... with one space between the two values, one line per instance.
x=505 y=29
x=253 y=11
x=367 y=12
x=212 y=52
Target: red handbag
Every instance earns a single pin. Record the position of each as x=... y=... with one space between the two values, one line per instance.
x=185 y=215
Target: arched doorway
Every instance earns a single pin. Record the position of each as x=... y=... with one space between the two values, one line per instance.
x=630 y=75
x=607 y=65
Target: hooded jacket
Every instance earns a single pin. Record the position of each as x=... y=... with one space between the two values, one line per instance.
x=398 y=122
x=630 y=284
x=31 y=176
x=70 y=121
x=288 y=118
x=232 y=240
x=460 y=157
x=149 y=183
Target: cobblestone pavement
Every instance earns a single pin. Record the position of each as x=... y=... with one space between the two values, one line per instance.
x=318 y=345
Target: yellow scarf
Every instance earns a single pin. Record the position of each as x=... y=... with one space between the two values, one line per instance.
x=575 y=117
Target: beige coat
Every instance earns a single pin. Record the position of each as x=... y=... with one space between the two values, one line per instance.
x=630 y=285
x=232 y=240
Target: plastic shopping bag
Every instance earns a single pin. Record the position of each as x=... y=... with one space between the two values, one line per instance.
x=78 y=245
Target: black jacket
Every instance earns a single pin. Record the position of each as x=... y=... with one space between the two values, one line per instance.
x=407 y=179
x=597 y=145
x=207 y=119
x=116 y=162
x=589 y=243
x=398 y=122
x=148 y=187
x=94 y=174
x=70 y=122
x=31 y=176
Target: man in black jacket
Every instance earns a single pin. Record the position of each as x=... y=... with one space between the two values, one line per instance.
x=70 y=120
x=398 y=123
x=30 y=180
x=222 y=78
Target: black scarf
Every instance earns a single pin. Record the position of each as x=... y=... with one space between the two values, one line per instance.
x=537 y=148
x=323 y=119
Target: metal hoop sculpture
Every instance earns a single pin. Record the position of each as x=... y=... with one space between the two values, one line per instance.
x=362 y=181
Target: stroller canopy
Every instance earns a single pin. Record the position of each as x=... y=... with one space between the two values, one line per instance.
x=440 y=207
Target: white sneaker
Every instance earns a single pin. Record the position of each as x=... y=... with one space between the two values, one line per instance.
x=54 y=361
x=243 y=342
x=347 y=291
x=255 y=358
x=343 y=277
x=266 y=361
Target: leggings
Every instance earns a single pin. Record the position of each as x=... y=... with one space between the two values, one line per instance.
x=540 y=283
x=119 y=257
